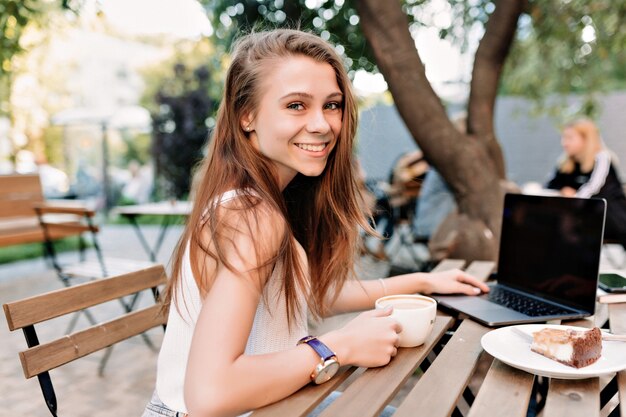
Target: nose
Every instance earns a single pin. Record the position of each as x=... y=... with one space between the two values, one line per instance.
x=317 y=123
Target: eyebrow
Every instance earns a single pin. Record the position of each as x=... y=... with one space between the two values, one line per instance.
x=309 y=96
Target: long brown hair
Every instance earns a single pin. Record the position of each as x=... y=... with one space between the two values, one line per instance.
x=323 y=213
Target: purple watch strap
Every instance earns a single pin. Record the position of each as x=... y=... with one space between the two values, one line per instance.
x=319 y=347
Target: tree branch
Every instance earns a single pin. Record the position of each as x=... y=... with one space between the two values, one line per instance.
x=385 y=26
x=488 y=63
x=463 y=160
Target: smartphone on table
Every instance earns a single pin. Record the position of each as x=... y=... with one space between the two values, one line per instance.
x=612 y=282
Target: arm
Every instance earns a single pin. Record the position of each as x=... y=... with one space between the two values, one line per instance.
x=361 y=295
x=598 y=176
x=221 y=380
x=556 y=183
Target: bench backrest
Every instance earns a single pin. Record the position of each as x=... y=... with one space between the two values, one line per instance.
x=41 y=358
x=18 y=193
x=38 y=359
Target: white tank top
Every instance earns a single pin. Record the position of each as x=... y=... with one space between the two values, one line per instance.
x=270 y=331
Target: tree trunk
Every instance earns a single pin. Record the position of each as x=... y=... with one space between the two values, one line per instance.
x=471 y=164
x=488 y=62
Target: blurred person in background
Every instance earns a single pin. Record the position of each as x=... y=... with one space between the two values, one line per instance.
x=54 y=182
x=587 y=169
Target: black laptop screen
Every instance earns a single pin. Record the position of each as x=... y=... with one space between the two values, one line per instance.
x=551 y=247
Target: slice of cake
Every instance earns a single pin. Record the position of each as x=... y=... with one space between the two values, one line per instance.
x=575 y=348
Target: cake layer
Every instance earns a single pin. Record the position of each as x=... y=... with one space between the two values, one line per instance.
x=569 y=347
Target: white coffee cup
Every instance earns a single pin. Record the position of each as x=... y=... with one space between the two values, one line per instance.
x=415 y=313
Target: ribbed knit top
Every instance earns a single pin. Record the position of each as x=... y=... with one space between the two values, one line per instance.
x=270 y=331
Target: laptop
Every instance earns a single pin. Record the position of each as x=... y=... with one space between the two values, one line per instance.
x=548 y=262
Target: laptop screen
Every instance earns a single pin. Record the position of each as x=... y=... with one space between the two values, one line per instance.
x=550 y=247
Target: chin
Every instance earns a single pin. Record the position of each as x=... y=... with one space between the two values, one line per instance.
x=312 y=172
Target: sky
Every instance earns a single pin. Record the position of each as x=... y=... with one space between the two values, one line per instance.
x=183 y=18
x=445 y=65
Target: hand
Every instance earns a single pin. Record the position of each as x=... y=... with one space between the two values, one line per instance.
x=454 y=281
x=368 y=340
x=568 y=192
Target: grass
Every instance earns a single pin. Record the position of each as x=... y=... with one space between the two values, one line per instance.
x=34 y=250
x=148 y=219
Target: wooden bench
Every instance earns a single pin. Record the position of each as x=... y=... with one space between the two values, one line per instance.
x=38 y=359
x=19 y=194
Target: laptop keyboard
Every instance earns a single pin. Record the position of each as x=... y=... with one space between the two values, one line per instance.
x=523 y=304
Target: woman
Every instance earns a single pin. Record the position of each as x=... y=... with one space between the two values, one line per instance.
x=272 y=237
x=588 y=169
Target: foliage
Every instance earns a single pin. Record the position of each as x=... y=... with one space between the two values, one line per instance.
x=137 y=148
x=181 y=95
x=549 y=57
x=192 y=54
x=52 y=139
x=182 y=108
x=564 y=47
x=336 y=21
x=15 y=17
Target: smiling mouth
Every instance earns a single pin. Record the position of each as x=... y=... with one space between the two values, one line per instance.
x=313 y=148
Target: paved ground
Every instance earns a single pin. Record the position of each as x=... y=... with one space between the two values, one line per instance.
x=129 y=376
x=128 y=379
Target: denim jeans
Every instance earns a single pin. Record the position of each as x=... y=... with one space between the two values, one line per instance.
x=156 y=408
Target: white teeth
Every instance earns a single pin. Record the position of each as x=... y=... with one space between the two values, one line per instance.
x=313 y=148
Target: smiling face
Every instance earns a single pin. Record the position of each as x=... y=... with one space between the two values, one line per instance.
x=298 y=118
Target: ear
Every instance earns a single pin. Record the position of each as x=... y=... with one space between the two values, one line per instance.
x=246 y=122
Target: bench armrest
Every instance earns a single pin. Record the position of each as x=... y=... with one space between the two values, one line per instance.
x=64 y=208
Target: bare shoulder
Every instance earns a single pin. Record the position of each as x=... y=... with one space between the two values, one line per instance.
x=250 y=215
x=246 y=234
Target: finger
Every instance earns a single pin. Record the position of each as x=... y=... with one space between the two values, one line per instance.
x=397 y=327
x=469 y=279
x=467 y=289
x=381 y=312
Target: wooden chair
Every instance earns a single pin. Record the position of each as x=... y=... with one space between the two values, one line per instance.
x=39 y=359
x=84 y=269
x=18 y=221
x=90 y=269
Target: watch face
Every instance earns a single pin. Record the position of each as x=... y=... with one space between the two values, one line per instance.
x=327 y=371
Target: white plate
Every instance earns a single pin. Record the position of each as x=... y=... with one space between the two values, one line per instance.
x=512 y=349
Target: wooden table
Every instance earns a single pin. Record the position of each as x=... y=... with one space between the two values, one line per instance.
x=167 y=209
x=443 y=390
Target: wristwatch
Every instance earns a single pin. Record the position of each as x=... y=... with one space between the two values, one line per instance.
x=328 y=366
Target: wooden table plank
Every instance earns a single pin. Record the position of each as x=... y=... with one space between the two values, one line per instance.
x=448 y=264
x=368 y=395
x=481 y=269
x=438 y=391
x=304 y=401
x=617 y=319
x=573 y=398
x=505 y=392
